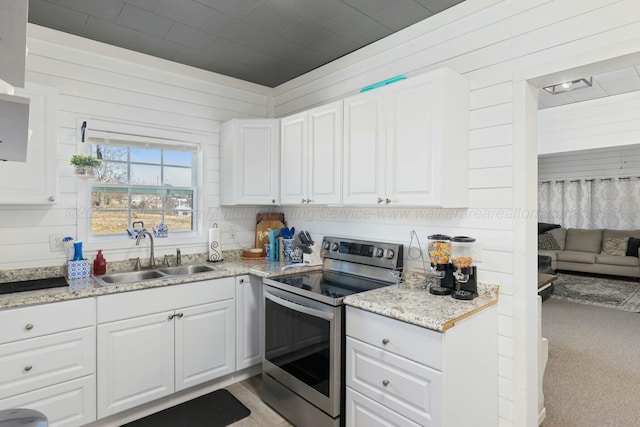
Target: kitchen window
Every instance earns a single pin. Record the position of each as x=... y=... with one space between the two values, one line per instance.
x=142 y=182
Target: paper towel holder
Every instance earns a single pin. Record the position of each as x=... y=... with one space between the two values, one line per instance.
x=215 y=251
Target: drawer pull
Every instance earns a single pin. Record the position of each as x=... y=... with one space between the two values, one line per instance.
x=385 y=382
x=28 y=368
x=171 y=316
x=179 y=315
x=29 y=326
x=385 y=341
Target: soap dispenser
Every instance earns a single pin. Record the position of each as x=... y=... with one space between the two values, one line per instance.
x=99 y=264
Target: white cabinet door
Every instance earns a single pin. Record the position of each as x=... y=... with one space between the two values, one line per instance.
x=205 y=343
x=364 y=149
x=325 y=154
x=311 y=156
x=294 y=159
x=406 y=144
x=411 y=151
x=35 y=182
x=249 y=321
x=135 y=362
x=249 y=162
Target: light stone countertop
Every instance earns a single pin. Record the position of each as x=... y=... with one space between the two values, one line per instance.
x=88 y=287
x=411 y=302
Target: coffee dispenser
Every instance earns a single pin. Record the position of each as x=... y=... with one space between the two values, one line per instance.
x=466 y=282
x=439 y=249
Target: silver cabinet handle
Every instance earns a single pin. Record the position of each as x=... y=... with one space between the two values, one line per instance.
x=51 y=199
x=171 y=316
x=303 y=201
x=28 y=368
x=379 y=200
x=273 y=200
x=241 y=280
x=385 y=382
x=385 y=341
x=387 y=201
x=309 y=201
x=179 y=315
x=29 y=326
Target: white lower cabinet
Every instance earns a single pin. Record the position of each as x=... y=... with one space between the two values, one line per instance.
x=398 y=374
x=154 y=342
x=48 y=361
x=248 y=321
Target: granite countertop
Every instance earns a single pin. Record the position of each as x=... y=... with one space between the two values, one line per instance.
x=411 y=302
x=88 y=287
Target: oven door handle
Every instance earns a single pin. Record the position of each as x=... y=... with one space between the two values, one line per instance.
x=299 y=307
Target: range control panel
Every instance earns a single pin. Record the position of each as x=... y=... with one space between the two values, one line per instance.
x=379 y=254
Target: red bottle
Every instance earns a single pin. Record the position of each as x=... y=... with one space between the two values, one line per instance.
x=99 y=264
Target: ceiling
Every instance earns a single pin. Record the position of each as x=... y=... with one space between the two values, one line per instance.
x=263 y=41
x=606 y=84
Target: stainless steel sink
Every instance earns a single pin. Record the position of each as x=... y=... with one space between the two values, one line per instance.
x=141 y=276
x=129 y=277
x=182 y=270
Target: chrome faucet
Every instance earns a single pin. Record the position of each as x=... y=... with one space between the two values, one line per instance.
x=152 y=260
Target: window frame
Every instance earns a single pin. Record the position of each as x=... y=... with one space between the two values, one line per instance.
x=139 y=136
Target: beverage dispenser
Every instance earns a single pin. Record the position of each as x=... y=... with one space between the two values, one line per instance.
x=439 y=249
x=466 y=282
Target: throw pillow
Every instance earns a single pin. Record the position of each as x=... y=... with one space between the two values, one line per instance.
x=633 y=246
x=543 y=227
x=547 y=242
x=612 y=246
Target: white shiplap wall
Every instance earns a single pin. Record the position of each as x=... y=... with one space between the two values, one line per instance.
x=105 y=82
x=610 y=162
x=604 y=122
x=489 y=42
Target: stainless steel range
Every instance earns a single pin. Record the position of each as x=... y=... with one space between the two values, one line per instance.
x=303 y=361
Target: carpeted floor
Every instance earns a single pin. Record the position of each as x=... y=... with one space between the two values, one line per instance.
x=592 y=377
x=601 y=291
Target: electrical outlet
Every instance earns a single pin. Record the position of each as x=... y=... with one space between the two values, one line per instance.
x=55 y=242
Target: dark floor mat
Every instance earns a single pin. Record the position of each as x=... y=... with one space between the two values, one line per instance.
x=217 y=409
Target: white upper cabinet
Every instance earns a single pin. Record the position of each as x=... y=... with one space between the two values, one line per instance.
x=35 y=182
x=407 y=143
x=13 y=41
x=311 y=154
x=249 y=162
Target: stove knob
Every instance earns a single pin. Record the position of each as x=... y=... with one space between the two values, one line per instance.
x=389 y=253
x=379 y=252
x=334 y=246
x=325 y=245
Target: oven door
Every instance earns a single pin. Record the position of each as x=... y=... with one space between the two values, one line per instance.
x=302 y=347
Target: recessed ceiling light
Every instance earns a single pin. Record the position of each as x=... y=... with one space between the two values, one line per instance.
x=569 y=86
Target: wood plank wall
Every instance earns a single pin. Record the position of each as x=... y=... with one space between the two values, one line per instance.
x=99 y=81
x=488 y=47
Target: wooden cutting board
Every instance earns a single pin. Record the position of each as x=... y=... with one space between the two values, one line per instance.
x=266 y=221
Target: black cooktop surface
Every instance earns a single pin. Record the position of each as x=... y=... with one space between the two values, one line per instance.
x=32 y=285
x=325 y=286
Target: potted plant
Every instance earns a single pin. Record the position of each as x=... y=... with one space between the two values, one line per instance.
x=84 y=165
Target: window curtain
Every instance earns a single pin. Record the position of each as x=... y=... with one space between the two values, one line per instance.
x=592 y=203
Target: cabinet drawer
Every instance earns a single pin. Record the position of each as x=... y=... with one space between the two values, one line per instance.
x=40 y=362
x=403 y=385
x=69 y=404
x=44 y=319
x=364 y=412
x=410 y=341
x=149 y=301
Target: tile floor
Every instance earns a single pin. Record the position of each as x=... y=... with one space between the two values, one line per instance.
x=261 y=414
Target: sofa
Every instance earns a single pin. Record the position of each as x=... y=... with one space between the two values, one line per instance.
x=600 y=251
